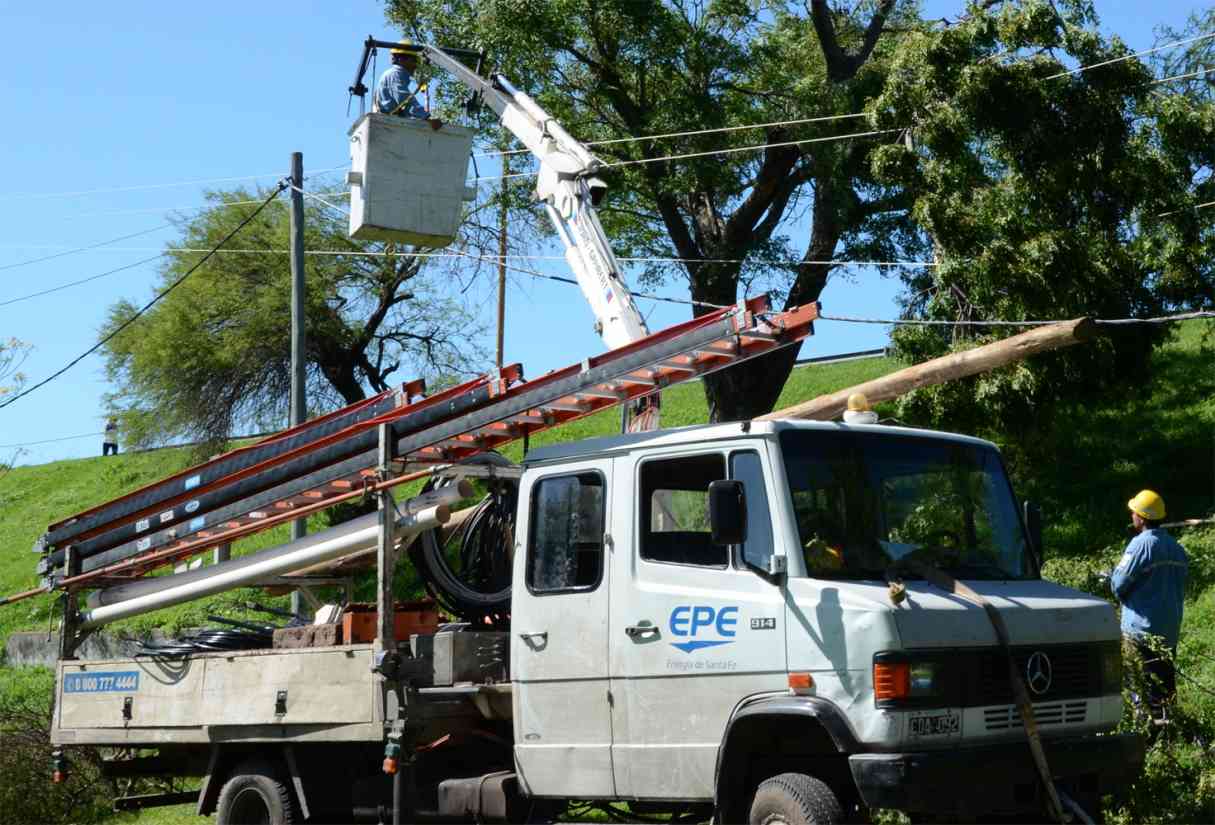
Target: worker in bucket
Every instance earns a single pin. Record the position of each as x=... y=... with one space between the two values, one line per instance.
x=393 y=95
x=1149 y=582
x=109 y=441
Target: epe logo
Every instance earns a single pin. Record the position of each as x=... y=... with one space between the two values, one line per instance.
x=689 y=620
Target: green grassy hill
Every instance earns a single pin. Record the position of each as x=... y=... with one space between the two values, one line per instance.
x=1161 y=434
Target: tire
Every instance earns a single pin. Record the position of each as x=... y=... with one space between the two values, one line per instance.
x=255 y=794
x=795 y=799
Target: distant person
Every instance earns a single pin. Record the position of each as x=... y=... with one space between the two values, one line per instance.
x=1149 y=582
x=393 y=95
x=109 y=443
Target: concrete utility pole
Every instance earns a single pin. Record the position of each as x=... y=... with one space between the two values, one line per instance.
x=299 y=408
x=502 y=255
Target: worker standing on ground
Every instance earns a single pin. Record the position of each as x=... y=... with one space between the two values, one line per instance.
x=109 y=441
x=1149 y=582
x=393 y=95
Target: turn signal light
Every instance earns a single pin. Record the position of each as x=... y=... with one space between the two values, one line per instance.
x=891 y=680
x=801 y=683
x=57 y=778
x=390 y=765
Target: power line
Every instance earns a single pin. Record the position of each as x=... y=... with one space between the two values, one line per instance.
x=49 y=440
x=1195 y=208
x=690 y=133
x=730 y=151
x=85 y=248
x=81 y=281
x=140 y=187
x=281 y=186
x=1161 y=319
x=1186 y=76
x=1131 y=56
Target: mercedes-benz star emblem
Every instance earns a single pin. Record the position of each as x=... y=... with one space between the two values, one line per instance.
x=1038 y=673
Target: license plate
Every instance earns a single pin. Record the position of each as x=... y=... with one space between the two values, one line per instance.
x=937 y=723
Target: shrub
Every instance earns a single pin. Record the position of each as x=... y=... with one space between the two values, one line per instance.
x=26 y=792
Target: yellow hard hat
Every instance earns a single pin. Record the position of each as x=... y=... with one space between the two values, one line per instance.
x=399 y=50
x=858 y=402
x=1147 y=504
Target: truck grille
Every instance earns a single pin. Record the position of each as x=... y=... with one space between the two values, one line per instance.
x=1075 y=672
x=1045 y=713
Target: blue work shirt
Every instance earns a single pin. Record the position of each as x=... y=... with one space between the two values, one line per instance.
x=393 y=97
x=1150 y=583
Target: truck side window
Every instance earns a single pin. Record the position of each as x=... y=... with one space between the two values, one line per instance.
x=675 y=510
x=746 y=467
x=565 y=550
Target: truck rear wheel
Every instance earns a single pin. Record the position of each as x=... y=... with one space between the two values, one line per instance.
x=255 y=795
x=795 y=799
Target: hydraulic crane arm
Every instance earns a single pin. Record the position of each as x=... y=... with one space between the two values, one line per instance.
x=566 y=185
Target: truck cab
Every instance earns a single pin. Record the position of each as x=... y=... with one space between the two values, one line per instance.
x=780 y=659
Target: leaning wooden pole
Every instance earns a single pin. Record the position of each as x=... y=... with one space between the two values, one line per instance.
x=946 y=368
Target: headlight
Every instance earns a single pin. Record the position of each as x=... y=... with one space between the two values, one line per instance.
x=902 y=680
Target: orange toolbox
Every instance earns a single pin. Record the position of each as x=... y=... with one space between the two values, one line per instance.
x=359 y=620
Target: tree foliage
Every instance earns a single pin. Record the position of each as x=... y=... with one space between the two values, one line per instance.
x=1036 y=196
x=12 y=355
x=1044 y=195
x=214 y=355
x=620 y=69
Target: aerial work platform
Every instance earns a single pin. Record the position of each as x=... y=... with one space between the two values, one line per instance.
x=407 y=180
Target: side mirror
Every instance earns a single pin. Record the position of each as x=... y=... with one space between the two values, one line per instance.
x=1033 y=525
x=727 y=512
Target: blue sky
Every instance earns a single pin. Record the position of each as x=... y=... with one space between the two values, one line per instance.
x=106 y=134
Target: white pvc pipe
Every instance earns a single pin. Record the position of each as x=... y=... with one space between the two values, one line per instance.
x=122 y=592
x=280 y=564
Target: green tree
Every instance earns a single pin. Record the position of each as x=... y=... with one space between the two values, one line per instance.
x=1044 y=194
x=214 y=354
x=618 y=69
x=12 y=355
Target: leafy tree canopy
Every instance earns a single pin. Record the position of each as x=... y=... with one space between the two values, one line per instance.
x=1035 y=196
x=213 y=356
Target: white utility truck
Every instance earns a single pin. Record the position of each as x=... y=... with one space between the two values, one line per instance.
x=717 y=620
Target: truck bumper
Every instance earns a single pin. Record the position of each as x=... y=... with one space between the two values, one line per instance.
x=994 y=778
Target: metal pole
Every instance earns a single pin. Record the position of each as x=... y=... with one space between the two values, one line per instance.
x=299 y=408
x=385 y=556
x=502 y=255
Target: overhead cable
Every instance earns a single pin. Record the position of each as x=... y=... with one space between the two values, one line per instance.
x=355 y=253
x=281 y=186
x=1186 y=76
x=81 y=281
x=50 y=440
x=85 y=248
x=140 y=187
x=1195 y=208
x=1131 y=56
x=692 y=132
x=560 y=279
x=709 y=153
x=1160 y=319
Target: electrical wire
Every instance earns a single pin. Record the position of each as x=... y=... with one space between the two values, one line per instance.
x=1131 y=56
x=691 y=133
x=1194 y=208
x=81 y=281
x=141 y=187
x=145 y=307
x=1161 y=319
x=1186 y=76
x=85 y=248
x=710 y=153
x=50 y=440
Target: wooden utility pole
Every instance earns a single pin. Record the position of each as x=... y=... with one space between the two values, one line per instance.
x=946 y=368
x=502 y=210
x=299 y=408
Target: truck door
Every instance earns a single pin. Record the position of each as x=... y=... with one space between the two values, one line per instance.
x=693 y=631
x=559 y=612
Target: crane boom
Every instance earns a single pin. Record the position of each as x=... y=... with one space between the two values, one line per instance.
x=568 y=188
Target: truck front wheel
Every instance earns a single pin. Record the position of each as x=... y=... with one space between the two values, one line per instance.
x=255 y=795
x=795 y=799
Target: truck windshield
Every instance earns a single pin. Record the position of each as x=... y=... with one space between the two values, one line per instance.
x=866 y=500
